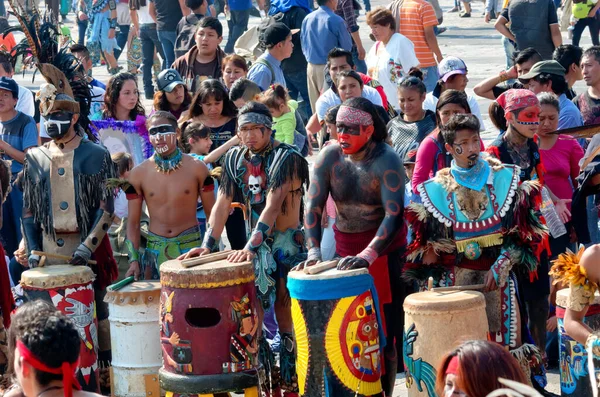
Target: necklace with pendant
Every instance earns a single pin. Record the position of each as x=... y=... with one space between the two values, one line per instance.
x=166 y=165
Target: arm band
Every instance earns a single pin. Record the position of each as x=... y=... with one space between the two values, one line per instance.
x=100 y=227
x=209 y=241
x=113 y=23
x=133 y=255
x=258 y=236
x=32 y=233
x=369 y=254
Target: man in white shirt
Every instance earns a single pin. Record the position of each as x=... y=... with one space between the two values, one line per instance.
x=25 y=103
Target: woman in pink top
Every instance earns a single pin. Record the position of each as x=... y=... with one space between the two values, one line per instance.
x=432 y=156
x=560 y=158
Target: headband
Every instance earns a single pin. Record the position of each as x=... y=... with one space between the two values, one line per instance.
x=350 y=115
x=254 y=118
x=66 y=369
x=452 y=367
x=516 y=99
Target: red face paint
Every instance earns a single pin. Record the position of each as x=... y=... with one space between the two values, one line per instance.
x=353 y=138
x=530 y=115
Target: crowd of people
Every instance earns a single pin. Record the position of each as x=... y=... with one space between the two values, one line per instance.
x=402 y=182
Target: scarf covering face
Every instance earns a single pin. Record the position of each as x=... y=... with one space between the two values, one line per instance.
x=473 y=178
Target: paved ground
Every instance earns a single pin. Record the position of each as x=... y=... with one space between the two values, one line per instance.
x=471 y=39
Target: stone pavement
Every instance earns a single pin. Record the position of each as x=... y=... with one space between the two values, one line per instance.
x=471 y=39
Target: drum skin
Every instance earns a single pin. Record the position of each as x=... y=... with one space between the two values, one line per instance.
x=573 y=358
x=337 y=337
x=69 y=288
x=134 y=336
x=436 y=323
x=208 y=327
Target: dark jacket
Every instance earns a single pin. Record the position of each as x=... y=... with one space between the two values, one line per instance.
x=185 y=66
x=186 y=31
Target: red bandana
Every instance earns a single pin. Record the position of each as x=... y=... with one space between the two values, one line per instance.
x=516 y=99
x=452 y=367
x=67 y=369
x=354 y=116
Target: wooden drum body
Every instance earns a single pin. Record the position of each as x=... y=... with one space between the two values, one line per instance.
x=574 y=376
x=435 y=323
x=69 y=288
x=209 y=327
x=134 y=337
x=337 y=331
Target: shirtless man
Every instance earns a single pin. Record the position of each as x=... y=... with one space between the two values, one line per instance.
x=365 y=177
x=271 y=176
x=170 y=182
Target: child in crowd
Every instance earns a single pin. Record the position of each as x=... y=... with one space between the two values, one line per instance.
x=283 y=110
x=124 y=163
x=196 y=142
x=243 y=90
x=329 y=213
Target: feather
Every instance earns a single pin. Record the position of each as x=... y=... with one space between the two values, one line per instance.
x=585 y=131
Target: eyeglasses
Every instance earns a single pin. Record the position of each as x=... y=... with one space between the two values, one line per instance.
x=247 y=130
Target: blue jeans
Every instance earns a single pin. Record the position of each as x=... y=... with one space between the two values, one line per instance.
x=592 y=213
x=81 y=29
x=237 y=24
x=2 y=9
x=430 y=77
x=149 y=38
x=361 y=65
x=121 y=40
x=367 y=5
x=297 y=87
x=12 y=210
x=167 y=40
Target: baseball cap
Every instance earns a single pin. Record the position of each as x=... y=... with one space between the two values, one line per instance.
x=451 y=66
x=548 y=67
x=168 y=79
x=276 y=33
x=9 y=84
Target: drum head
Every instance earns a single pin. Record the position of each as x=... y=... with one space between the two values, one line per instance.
x=327 y=274
x=220 y=273
x=443 y=301
x=138 y=292
x=562 y=298
x=57 y=276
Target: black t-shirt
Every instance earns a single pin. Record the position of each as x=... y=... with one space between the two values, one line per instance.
x=589 y=108
x=220 y=135
x=168 y=14
x=501 y=89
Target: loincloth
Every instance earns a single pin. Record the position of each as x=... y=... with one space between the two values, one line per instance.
x=161 y=249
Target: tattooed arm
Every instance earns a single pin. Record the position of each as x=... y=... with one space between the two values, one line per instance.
x=318 y=192
x=390 y=171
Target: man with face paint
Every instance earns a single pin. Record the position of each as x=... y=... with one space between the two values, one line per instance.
x=477 y=225
x=518 y=146
x=365 y=178
x=67 y=207
x=170 y=182
x=271 y=176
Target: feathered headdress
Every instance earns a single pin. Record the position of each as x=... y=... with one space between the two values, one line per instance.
x=567 y=270
x=66 y=87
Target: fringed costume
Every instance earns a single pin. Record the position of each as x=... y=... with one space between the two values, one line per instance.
x=566 y=270
x=7 y=302
x=476 y=220
x=256 y=175
x=67 y=205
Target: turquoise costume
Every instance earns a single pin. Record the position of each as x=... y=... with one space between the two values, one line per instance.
x=481 y=220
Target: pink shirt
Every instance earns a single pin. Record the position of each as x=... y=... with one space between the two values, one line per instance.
x=561 y=163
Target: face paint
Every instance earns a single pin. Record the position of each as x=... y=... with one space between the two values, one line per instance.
x=352 y=138
x=458 y=149
x=162 y=137
x=529 y=116
x=58 y=124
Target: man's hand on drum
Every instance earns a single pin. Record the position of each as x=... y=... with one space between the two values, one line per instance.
x=21 y=256
x=490 y=282
x=134 y=270
x=81 y=256
x=307 y=263
x=352 y=262
x=241 y=256
x=194 y=252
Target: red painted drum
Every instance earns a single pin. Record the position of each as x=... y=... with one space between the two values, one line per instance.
x=209 y=327
x=69 y=288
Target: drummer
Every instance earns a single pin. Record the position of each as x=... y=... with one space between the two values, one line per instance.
x=581 y=271
x=362 y=173
x=271 y=176
x=168 y=180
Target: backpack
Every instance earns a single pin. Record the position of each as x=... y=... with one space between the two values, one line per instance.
x=262 y=61
x=581 y=10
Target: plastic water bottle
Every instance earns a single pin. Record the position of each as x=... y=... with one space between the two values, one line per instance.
x=557 y=228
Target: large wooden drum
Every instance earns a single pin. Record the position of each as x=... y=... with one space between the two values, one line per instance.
x=209 y=327
x=338 y=333
x=69 y=288
x=574 y=376
x=134 y=337
x=435 y=323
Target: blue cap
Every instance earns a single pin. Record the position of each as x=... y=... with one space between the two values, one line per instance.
x=9 y=84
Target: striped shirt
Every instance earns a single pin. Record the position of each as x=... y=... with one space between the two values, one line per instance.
x=415 y=16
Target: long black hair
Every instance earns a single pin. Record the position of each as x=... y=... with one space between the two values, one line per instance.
x=212 y=88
